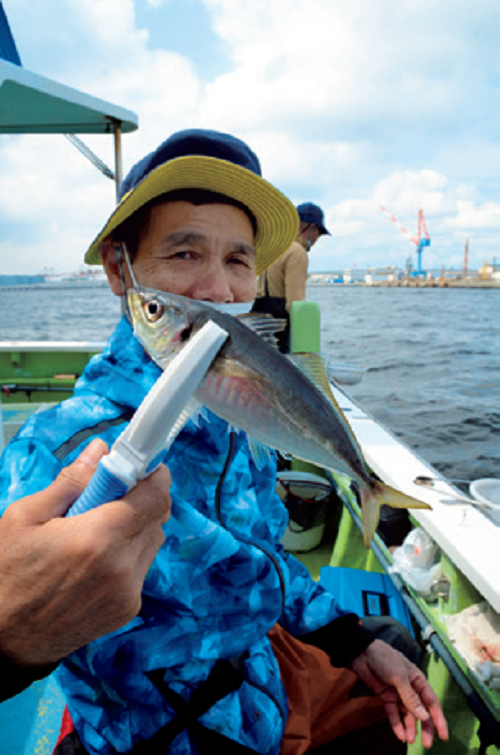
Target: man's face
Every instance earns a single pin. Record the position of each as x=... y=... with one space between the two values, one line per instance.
x=313 y=234
x=202 y=252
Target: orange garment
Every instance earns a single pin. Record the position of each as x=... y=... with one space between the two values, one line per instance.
x=319 y=706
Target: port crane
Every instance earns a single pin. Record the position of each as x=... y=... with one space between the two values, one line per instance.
x=421 y=240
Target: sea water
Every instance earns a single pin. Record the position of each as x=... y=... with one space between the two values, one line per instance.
x=432 y=360
x=431 y=357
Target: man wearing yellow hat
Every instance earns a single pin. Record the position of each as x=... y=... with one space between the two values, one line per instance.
x=213 y=662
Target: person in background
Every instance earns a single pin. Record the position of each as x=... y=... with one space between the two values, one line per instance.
x=235 y=649
x=66 y=581
x=285 y=280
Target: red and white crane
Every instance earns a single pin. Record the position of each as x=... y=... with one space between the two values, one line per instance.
x=420 y=240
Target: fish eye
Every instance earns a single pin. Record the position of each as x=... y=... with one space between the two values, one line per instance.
x=153 y=310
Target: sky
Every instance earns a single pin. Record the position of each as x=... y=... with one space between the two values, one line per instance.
x=351 y=104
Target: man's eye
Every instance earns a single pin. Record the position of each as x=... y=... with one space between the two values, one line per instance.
x=239 y=261
x=185 y=254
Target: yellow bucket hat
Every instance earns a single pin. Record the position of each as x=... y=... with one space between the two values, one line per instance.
x=212 y=161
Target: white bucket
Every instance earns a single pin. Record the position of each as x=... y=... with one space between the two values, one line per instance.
x=306 y=497
x=487 y=491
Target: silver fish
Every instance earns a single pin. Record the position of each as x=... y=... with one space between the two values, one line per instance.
x=259 y=390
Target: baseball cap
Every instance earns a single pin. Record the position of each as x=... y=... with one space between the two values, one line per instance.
x=311 y=213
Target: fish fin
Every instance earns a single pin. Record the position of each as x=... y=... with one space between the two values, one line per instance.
x=370 y=513
x=261 y=454
x=265 y=325
x=375 y=496
x=313 y=367
x=193 y=410
x=199 y=411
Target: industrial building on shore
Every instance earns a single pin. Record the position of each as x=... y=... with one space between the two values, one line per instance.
x=487 y=276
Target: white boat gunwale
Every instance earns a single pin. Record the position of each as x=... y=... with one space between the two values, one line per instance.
x=466 y=534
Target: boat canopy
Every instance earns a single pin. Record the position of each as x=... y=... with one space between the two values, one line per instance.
x=33 y=104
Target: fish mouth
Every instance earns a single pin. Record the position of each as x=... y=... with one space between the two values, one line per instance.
x=183 y=336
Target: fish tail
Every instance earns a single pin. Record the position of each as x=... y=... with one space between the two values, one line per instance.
x=375 y=496
x=399 y=500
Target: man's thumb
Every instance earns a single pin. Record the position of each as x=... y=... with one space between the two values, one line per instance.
x=69 y=484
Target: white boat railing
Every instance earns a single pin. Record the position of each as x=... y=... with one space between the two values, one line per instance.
x=75 y=346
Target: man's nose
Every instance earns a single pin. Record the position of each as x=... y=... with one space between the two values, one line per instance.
x=213 y=285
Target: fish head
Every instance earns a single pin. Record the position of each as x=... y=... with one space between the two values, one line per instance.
x=162 y=322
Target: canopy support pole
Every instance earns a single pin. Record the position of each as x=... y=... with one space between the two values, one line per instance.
x=117 y=131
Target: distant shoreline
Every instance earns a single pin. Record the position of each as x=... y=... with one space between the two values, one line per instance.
x=416 y=283
x=53 y=286
x=434 y=283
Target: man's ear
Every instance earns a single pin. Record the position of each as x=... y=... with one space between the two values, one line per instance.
x=111 y=266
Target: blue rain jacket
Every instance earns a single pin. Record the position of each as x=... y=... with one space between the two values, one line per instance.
x=218 y=585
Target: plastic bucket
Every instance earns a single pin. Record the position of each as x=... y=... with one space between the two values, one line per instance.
x=306 y=497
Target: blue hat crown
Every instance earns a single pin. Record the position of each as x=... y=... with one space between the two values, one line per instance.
x=193 y=142
x=311 y=213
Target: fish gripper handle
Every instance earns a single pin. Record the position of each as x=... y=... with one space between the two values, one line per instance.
x=103 y=487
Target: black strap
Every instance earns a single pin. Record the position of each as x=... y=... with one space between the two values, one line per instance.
x=276 y=307
x=224 y=678
x=271 y=305
x=70 y=444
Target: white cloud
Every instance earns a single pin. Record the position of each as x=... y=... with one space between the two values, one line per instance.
x=350 y=104
x=304 y=58
x=406 y=189
x=55 y=201
x=471 y=217
x=450 y=220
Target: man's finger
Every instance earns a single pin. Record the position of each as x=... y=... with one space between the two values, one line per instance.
x=146 y=505
x=73 y=480
x=427 y=734
x=410 y=691
x=410 y=724
x=394 y=716
x=158 y=484
x=433 y=705
x=423 y=703
x=57 y=498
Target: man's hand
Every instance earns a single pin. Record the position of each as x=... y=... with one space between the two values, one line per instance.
x=66 y=581
x=404 y=690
